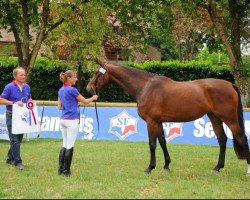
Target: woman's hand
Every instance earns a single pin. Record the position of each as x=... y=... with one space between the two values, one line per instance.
x=94 y=97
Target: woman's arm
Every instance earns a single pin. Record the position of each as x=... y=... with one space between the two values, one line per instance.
x=86 y=101
x=59 y=104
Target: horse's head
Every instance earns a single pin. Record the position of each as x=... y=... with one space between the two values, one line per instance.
x=99 y=80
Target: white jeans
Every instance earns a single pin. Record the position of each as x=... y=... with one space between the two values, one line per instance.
x=69 y=130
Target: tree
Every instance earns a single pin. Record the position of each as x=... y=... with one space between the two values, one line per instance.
x=137 y=19
x=81 y=35
x=30 y=22
x=231 y=22
x=163 y=24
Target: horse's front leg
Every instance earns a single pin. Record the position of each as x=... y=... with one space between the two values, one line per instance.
x=152 y=136
x=152 y=147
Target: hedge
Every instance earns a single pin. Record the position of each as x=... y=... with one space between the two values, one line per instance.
x=45 y=81
x=186 y=71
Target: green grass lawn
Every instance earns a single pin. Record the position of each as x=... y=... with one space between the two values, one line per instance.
x=112 y=169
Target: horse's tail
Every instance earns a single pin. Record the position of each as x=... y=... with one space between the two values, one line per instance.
x=239 y=149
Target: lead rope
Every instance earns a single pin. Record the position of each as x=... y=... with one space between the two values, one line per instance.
x=97 y=119
x=95 y=104
x=41 y=122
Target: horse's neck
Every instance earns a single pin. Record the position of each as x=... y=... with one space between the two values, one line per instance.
x=130 y=80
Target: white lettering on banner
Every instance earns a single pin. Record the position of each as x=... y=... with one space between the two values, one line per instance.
x=205 y=129
x=86 y=124
x=53 y=124
x=209 y=130
x=227 y=131
x=45 y=123
x=247 y=128
x=4 y=134
x=199 y=132
x=88 y=128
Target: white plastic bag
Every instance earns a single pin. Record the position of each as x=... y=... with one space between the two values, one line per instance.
x=25 y=118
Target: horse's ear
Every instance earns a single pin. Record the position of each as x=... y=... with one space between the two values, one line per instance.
x=100 y=62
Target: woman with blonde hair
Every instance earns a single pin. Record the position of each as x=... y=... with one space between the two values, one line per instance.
x=68 y=98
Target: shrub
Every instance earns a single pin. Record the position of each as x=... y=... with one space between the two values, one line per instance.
x=45 y=81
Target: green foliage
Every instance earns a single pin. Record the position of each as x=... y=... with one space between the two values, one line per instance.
x=161 y=37
x=6 y=50
x=6 y=61
x=186 y=71
x=84 y=31
x=45 y=78
x=246 y=68
x=45 y=81
x=215 y=58
x=6 y=67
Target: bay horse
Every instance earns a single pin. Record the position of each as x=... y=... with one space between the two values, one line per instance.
x=160 y=99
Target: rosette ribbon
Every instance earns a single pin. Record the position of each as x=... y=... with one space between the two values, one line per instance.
x=30 y=106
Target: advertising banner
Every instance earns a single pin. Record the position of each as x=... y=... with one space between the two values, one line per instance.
x=123 y=123
x=3 y=127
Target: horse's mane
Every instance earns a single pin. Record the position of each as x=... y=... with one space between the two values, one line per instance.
x=136 y=70
x=143 y=71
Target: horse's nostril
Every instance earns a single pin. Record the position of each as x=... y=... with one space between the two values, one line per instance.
x=90 y=90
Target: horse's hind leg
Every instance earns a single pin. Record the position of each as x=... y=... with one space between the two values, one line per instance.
x=162 y=141
x=222 y=140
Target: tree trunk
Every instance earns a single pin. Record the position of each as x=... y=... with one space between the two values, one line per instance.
x=26 y=57
x=26 y=35
x=232 y=48
x=180 y=51
x=39 y=39
x=188 y=46
x=14 y=29
x=195 y=35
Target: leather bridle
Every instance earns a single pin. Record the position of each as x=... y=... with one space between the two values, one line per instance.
x=101 y=73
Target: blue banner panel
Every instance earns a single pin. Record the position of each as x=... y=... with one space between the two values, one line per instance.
x=123 y=123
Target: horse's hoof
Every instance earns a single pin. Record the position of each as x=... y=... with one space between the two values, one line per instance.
x=216 y=171
x=166 y=169
x=147 y=171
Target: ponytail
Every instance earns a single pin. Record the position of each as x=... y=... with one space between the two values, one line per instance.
x=62 y=77
x=65 y=75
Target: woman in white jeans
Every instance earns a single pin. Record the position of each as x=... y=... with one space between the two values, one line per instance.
x=68 y=98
